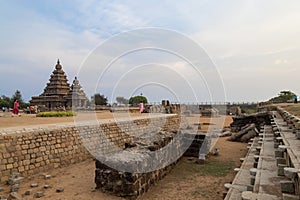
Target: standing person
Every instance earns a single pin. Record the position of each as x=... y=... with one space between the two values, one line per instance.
x=141 y=106
x=295 y=99
x=16 y=108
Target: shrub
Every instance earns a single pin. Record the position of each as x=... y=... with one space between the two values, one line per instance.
x=56 y=114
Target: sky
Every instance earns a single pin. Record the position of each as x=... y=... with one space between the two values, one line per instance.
x=185 y=51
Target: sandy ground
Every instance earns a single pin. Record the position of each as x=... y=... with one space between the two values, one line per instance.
x=9 y=120
x=186 y=181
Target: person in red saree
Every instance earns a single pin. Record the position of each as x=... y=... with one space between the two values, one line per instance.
x=16 y=108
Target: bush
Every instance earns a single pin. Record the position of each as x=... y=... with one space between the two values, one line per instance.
x=56 y=114
x=137 y=99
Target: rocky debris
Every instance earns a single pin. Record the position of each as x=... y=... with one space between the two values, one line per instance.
x=245 y=134
x=259 y=119
x=14 y=181
x=14 y=196
x=27 y=192
x=1 y=189
x=216 y=152
x=15 y=178
x=60 y=189
x=46 y=186
x=38 y=194
x=225 y=134
x=34 y=185
x=3 y=197
x=15 y=188
x=47 y=176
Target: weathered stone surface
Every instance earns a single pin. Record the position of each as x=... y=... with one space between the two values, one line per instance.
x=280 y=170
x=38 y=194
x=290 y=173
x=34 y=185
x=47 y=176
x=17 y=180
x=136 y=157
x=15 y=188
x=60 y=189
x=46 y=186
x=2 y=197
x=286 y=196
x=14 y=196
x=253 y=171
x=248 y=195
x=28 y=192
x=287 y=187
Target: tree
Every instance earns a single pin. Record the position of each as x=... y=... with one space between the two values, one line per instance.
x=283 y=97
x=5 y=101
x=18 y=96
x=122 y=100
x=137 y=99
x=99 y=99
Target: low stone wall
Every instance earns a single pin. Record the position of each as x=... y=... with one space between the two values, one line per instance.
x=33 y=150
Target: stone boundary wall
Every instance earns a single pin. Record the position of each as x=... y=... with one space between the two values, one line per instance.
x=31 y=151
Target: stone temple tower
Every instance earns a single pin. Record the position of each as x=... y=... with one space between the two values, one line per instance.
x=58 y=94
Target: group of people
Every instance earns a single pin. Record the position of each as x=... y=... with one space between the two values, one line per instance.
x=16 y=109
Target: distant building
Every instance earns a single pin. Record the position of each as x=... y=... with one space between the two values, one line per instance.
x=58 y=95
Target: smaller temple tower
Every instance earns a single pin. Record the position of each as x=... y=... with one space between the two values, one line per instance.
x=76 y=96
x=58 y=95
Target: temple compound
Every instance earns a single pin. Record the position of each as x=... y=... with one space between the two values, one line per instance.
x=58 y=95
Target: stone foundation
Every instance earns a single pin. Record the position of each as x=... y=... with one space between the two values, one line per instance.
x=140 y=158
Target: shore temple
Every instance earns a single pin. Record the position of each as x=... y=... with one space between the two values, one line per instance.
x=58 y=94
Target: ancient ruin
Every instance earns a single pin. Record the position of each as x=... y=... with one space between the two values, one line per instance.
x=58 y=95
x=270 y=169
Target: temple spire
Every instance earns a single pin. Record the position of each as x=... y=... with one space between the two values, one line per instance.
x=58 y=66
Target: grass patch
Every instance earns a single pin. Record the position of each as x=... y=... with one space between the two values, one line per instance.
x=56 y=114
x=213 y=168
x=249 y=110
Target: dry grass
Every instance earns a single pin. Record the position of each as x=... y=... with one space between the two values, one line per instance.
x=292 y=108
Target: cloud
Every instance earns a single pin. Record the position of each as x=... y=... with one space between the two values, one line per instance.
x=244 y=38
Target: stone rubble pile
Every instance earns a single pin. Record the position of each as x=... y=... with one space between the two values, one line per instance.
x=247 y=126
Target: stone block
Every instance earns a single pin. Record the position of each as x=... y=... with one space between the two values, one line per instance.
x=248 y=195
x=280 y=161
x=250 y=188
x=287 y=187
x=38 y=194
x=290 y=172
x=34 y=185
x=253 y=171
x=252 y=180
x=286 y=196
x=60 y=189
x=13 y=181
x=14 y=196
x=227 y=186
x=278 y=154
x=280 y=170
x=15 y=188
